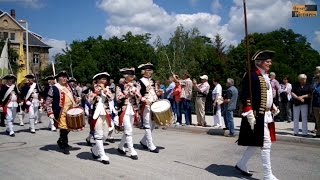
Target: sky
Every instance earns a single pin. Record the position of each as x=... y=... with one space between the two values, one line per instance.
x=60 y=22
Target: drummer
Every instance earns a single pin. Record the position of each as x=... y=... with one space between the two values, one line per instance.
x=127 y=98
x=60 y=99
x=101 y=119
x=148 y=92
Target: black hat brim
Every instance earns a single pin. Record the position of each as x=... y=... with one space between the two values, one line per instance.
x=29 y=76
x=263 y=55
x=147 y=67
x=101 y=76
x=8 y=77
x=60 y=74
x=128 y=72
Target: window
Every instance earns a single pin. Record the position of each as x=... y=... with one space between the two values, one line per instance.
x=12 y=36
x=36 y=58
x=1 y=35
x=5 y=35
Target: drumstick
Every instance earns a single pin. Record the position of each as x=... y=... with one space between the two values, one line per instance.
x=169 y=63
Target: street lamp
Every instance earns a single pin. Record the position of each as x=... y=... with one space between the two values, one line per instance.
x=27 y=43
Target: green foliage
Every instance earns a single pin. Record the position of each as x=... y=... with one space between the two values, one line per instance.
x=187 y=51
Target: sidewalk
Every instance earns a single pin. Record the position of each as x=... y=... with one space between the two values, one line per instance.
x=284 y=130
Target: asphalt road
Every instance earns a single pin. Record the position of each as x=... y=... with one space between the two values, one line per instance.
x=182 y=156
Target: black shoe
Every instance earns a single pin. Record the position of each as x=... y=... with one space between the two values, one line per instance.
x=144 y=146
x=12 y=135
x=243 y=172
x=2 y=125
x=121 y=151
x=135 y=157
x=88 y=142
x=7 y=132
x=93 y=155
x=66 y=151
x=156 y=150
x=59 y=144
x=111 y=140
x=105 y=162
x=225 y=128
x=316 y=136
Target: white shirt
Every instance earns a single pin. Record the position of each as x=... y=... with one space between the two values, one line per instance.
x=217 y=92
x=204 y=87
x=286 y=88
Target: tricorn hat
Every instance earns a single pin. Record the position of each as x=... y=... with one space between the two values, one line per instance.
x=72 y=79
x=9 y=76
x=101 y=75
x=127 y=71
x=30 y=76
x=51 y=77
x=263 y=55
x=62 y=73
x=146 y=66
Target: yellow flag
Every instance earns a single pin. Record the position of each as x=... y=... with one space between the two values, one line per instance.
x=22 y=71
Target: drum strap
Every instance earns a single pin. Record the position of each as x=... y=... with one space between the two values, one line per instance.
x=8 y=92
x=67 y=92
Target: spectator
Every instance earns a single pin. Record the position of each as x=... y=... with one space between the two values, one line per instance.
x=216 y=99
x=314 y=83
x=301 y=94
x=169 y=91
x=187 y=97
x=161 y=91
x=79 y=89
x=230 y=101
x=202 y=90
x=177 y=100
x=285 y=100
x=316 y=104
x=275 y=91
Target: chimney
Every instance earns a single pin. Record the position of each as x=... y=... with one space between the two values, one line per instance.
x=13 y=13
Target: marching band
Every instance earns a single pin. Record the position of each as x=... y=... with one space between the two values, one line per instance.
x=134 y=101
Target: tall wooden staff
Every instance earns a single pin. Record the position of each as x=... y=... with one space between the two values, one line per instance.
x=247 y=48
x=54 y=71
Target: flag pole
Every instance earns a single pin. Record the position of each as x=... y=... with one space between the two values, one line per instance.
x=247 y=47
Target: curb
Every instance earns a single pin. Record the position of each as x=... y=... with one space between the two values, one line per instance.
x=221 y=132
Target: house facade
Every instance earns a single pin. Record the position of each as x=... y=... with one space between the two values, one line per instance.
x=15 y=31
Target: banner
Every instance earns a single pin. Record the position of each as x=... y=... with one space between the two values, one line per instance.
x=4 y=60
x=22 y=71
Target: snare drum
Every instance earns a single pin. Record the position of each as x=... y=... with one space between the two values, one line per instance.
x=162 y=111
x=75 y=119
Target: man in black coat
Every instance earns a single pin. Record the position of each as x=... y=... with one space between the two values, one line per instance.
x=51 y=82
x=257 y=126
x=9 y=99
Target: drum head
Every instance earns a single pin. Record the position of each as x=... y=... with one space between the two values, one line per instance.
x=75 y=111
x=160 y=106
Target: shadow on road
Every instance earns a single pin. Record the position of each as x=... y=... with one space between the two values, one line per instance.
x=50 y=147
x=226 y=171
x=85 y=156
x=138 y=146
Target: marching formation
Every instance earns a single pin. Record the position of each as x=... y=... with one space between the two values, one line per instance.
x=137 y=104
x=67 y=110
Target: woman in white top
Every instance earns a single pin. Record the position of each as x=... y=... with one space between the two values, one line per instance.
x=216 y=98
x=285 y=100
